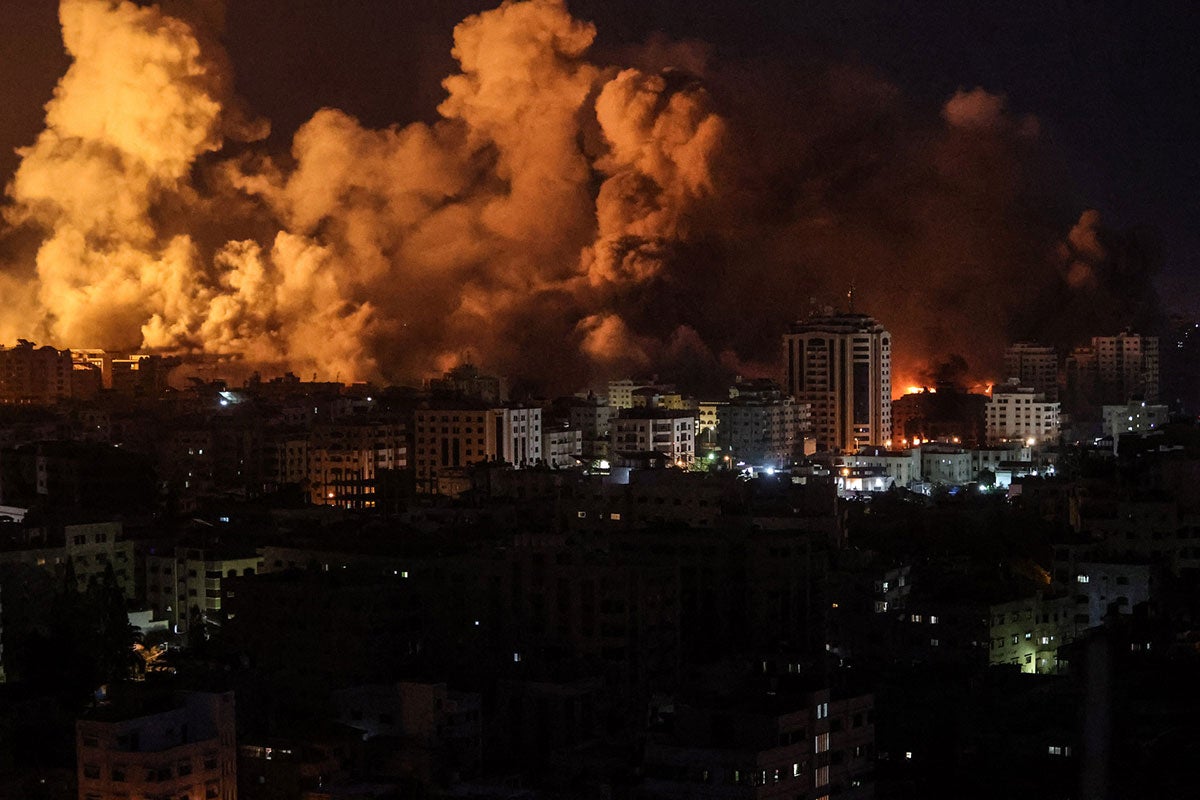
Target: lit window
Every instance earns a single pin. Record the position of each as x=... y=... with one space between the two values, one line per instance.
x=1082 y=579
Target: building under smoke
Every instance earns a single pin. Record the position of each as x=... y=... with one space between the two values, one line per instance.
x=1033 y=365
x=34 y=375
x=1111 y=370
x=947 y=414
x=840 y=364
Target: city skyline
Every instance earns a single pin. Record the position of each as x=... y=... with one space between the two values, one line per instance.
x=598 y=216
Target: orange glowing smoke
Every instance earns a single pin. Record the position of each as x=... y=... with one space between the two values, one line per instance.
x=559 y=216
x=380 y=235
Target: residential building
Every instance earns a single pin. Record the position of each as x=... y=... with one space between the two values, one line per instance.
x=180 y=746
x=1101 y=587
x=1028 y=632
x=1018 y=413
x=189 y=579
x=708 y=412
x=592 y=416
x=946 y=464
x=620 y=392
x=671 y=433
x=34 y=375
x=1133 y=417
x=774 y=744
x=346 y=457
x=902 y=466
x=93 y=547
x=467 y=382
x=840 y=365
x=450 y=437
x=1033 y=365
x=762 y=426
x=562 y=446
x=1111 y=370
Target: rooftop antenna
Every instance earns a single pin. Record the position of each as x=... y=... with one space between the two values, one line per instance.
x=850 y=297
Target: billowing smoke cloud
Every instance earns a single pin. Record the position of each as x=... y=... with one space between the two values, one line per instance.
x=562 y=221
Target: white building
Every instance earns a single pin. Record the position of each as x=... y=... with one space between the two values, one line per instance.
x=1018 y=413
x=902 y=466
x=562 y=447
x=667 y=431
x=946 y=465
x=840 y=365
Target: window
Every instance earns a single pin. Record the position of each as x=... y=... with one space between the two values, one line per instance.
x=1082 y=579
x=822 y=710
x=91 y=771
x=821 y=776
x=821 y=743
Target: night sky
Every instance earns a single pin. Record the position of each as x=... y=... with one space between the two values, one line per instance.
x=1112 y=86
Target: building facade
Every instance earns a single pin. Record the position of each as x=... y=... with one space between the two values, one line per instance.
x=448 y=439
x=190 y=578
x=840 y=365
x=185 y=751
x=1033 y=365
x=34 y=375
x=1018 y=413
x=660 y=430
x=1133 y=417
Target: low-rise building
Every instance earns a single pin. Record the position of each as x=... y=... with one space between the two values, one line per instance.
x=1028 y=632
x=173 y=746
x=1133 y=417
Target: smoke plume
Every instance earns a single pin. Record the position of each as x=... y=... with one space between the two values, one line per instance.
x=564 y=220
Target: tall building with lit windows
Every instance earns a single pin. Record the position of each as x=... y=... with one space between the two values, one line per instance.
x=841 y=365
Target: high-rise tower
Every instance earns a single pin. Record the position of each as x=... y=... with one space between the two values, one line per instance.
x=841 y=365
